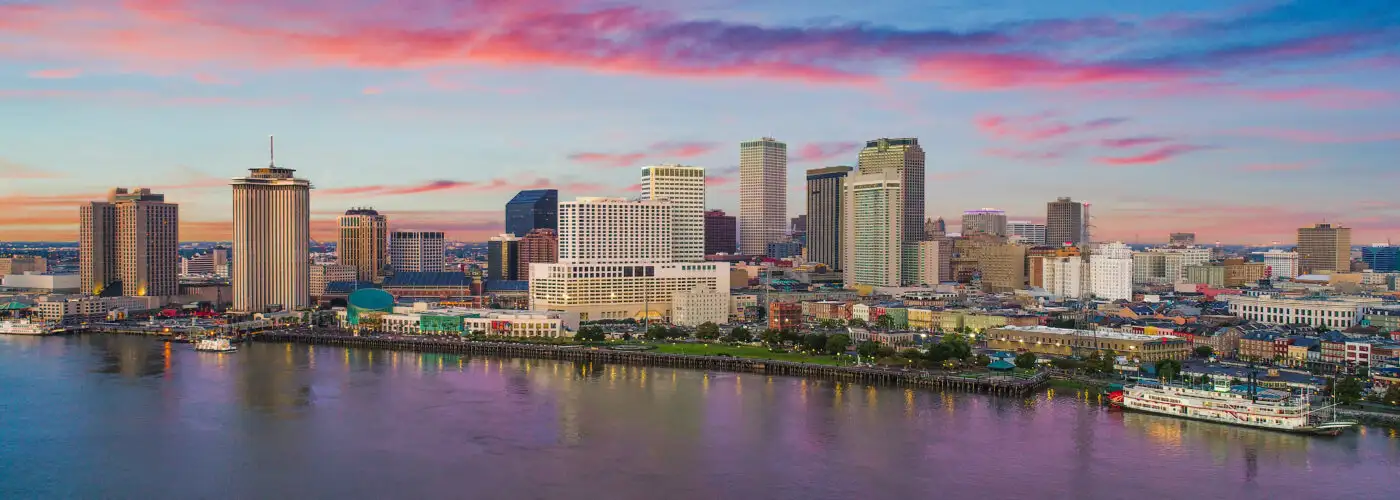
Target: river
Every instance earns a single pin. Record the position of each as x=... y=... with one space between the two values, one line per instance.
x=99 y=416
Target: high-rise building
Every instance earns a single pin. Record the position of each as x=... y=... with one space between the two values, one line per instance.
x=930 y=262
x=1037 y=259
x=1381 y=258
x=132 y=239
x=211 y=263
x=1324 y=247
x=684 y=187
x=1111 y=272
x=271 y=240
x=615 y=230
x=1280 y=264
x=1003 y=267
x=539 y=246
x=721 y=233
x=784 y=249
x=20 y=264
x=413 y=251
x=363 y=242
x=503 y=258
x=985 y=221
x=532 y=209
x=824 y=199
x=1065 y=222
x=874 y=230
x=1064 y=276
x=904 y=157
x=935 y=228
x=1181 y=239
x=762 y=194
x=1028 y=232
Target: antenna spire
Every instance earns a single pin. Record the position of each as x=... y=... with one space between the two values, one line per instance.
x=271 y=152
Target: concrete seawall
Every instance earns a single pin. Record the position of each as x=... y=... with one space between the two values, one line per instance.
x=998 y=385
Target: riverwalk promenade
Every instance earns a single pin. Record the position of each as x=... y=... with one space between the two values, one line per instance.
x=1004 y=385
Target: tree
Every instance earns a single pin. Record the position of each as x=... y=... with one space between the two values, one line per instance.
x=1392 y=395
x=983 y=360
x=867 y=348
x=912 y=354
x=1203 y=379
x=884 y=322
x=740 y=334
x=707 y=330
x=1025 y=360
x=1168 y=369
x=657 y=332
x=1348 y=390
x=590 y=334
x=814 y=342
x=1204 y=351
x=957 y=345
x=626 y=336
x=856 y=322
x=787 y=335
x=885 y=351
x=772 y=337
x=939 y=353
x=829 y=324
x=837 y=344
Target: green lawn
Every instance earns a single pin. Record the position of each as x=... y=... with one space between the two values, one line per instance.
x=748 y=352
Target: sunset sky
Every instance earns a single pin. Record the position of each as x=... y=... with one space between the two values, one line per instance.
x=1239 y=121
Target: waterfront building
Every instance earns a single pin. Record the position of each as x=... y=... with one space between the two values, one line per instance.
x=325 y=274
x=784 y=315
x=721 y=233
x=874 y=248
x=35 y=282
x=1066 y=342
x=762 y=194
x=539 y=246
x=905 y=159
x=825 y=187
x=363 y=242
x=1111 y=272
x=684 y=187
x=75 y=309
x=1280 y=264
x=412 y=251
x=1181 y=239
x=503 y=258
x=700 y=305
x=271 y=240
x=20 y=264
x=1029 y=232
x=1324 y=247
x=985 y=221
x=215 y=262
x=532 y=209
x=130 y=241
x=1066 y=222
x=421 y=319
x=1381 y=258
x=1337 y=313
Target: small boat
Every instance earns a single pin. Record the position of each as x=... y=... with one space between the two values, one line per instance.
x=214 y=345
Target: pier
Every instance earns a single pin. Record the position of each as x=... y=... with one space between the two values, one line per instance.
x=1001 y=385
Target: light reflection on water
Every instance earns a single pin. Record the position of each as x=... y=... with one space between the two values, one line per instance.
x=325 y=421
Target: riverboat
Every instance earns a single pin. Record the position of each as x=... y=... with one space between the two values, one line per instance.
x=29 y=327
x=1243 y=405
x=214 y=345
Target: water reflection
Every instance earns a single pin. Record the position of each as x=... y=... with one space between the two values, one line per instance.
x=128 y=355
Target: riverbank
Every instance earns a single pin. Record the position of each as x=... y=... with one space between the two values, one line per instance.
x=990 y=384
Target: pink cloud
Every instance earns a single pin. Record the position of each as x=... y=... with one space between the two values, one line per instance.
x=1129 y=142
x=1038 y=127
x=56 y=74
x=823 y=151
x=1154 y=156
x=1308 y=136
x=212 y=79
x=978 y=71
x=1274 y=167
x=660 y=152
x=372 y=91
x=496 y=185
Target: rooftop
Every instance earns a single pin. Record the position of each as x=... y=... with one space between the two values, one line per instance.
x=428 y=279
x=1102 y=334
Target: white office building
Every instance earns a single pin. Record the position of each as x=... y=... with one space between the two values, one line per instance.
x=417 y=251
x=762 y=194
x=1064 y=277
x=595 y=229
x=700 y=305
x=1028 y=232
x=1280 y=264
x=1111 y=272
x=874 y=225
x=1337 y=313
x=684 y=187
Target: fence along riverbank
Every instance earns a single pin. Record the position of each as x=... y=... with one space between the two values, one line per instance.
x=997 y=385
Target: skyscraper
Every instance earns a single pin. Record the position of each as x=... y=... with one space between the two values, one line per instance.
x=532 y=209
x=762 y=194
x=271 y=240
x=904 y=157
x=417 y=251
x=132 y=239
x=596 y=229
x=540 y=246
x=1111 y=272
x=684 y=187
x=824 y=212
x=1029 y=232
x=985 y=221
x=503 y=258
x=721 y=233
x=1065 y=220
x=363 y=242
x=1324 y=247
x=874 y=230
x=1381 y=258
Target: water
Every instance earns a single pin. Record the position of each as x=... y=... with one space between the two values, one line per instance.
x=128 y=417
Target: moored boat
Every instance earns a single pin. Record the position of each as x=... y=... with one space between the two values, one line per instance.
x=216 y=344
x=24 y=326
x=1244 y=405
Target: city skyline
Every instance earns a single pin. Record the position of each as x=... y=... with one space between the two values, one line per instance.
x=1275 y=117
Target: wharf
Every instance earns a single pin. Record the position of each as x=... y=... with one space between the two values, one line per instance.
x=1003 y=385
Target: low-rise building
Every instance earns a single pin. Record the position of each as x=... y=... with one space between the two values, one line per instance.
x=894 y=339
x=74 y=309
x=1358 y=352
x=921 y=319
x=1065 y=342
x=740 y=304
x=324 y=274
x=421 y=319
x=1258 y=346
x=700 y=305
x=32 y=281
x=827 y=310
x=1332 y=312
x=1223 y=341
x=784 y=315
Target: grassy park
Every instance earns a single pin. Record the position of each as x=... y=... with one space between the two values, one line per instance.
x=750 y=352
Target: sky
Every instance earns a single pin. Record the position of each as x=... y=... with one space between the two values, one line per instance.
x=1239 y=121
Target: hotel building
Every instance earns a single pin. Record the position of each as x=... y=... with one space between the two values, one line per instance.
x=132 y=240
x=874 y=231
x=363 y=242
x=417 y=251
x=684 y=187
